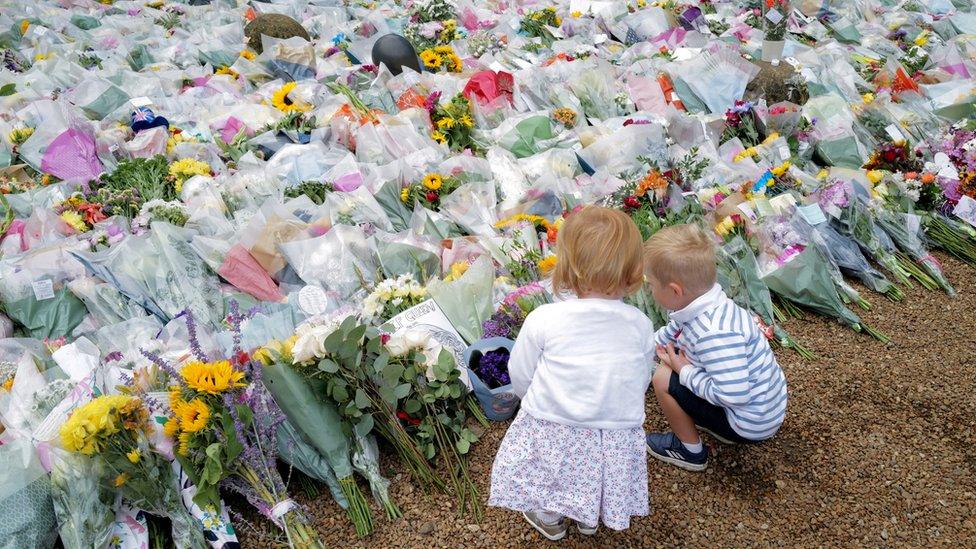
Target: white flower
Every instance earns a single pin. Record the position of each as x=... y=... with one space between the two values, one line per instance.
x=310 y=343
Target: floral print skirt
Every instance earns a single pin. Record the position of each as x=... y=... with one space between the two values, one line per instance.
x=583 y=474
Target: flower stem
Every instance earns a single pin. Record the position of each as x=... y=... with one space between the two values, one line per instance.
x=358 y=509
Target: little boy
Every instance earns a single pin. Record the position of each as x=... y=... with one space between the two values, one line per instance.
x=717 y=371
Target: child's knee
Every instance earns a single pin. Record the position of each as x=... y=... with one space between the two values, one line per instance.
x=661 y=380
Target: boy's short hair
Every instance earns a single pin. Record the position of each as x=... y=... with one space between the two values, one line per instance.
x=599 y=251
x=682 y=254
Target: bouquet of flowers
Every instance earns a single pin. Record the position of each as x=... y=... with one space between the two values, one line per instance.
x=172 y=212
x=893 y=156
x=292 y=375
x=79 y=214
x=513 y=310
x=438 y=58
x=148 y=177
x=114 y=432
x=391 y=297
x=740 y=122
x=431 y=188
x=224 y=423
x=453 y=123
x=537 y=24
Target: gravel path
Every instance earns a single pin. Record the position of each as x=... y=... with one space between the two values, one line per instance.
x=878 y=449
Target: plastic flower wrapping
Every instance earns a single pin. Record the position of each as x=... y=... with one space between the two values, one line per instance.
x=231 y=237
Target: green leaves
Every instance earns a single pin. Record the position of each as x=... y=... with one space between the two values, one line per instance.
x=328 y=366
x=8 y=89
x=362 y=400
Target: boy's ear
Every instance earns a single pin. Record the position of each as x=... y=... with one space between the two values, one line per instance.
x=677 y=289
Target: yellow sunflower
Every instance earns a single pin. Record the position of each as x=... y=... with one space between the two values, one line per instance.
x=193 y=415
x=456 y=64
x=446 y=123
x=172 y=427
x=228 y=71
x=212 y=377
x=431 y=59
x=184 y=444
x=405 y=194
x=438 y=136
x=283 y=103
x=467 y=122
x=547 y=265
x=433 y=181
x=133 y=456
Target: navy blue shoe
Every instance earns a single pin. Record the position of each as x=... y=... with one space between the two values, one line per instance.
x=667 y=448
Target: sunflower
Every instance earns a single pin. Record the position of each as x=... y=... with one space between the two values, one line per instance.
x=212 y=377
x=172 y=427
x=433 y=181
x=456 y=64
x=404 y=194
x=193 y=415
x=547 y=265
x=184 y=444
x=431 y=59
x=438 y=136
x=446 y=123
x=283 y=103
x=228 y=71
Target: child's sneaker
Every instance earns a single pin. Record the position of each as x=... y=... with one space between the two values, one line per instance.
x=552 y=532
x=667 y=448
x=586 y=530
x=719 y=438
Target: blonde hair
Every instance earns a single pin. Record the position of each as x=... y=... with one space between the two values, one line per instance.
x=599 y=252
x=683 y=254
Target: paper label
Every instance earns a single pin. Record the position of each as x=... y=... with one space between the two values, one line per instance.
x=966 y=210
x=43 y=289
x=763 y=207
x=140 y=101
x=774 y=16
x=813 y=214
x=312 y=300
x=747 y=211
x=429 y=316
x=782 y=203
x=895 y=133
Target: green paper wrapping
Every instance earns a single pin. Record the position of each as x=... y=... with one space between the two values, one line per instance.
x=805 y=280
x=48 y=318
x=466 y=302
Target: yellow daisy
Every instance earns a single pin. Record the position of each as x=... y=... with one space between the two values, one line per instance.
x=405 y=194
x=438 y=136
x=74 y=220
x=121 y=479
x=133 y=456
x=445 y=123
x=466 y=121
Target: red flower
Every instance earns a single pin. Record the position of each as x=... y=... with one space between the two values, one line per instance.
x=403 y=416
x=890 y=155
x=736 y=218
x=242 y=358
x=432 y=196
x=632 y=202
x=384 y=338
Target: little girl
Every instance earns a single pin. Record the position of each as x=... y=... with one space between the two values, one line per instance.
x=576 y=450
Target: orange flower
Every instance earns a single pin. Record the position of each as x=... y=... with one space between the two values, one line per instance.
x=928 y=178
x=652 y=181
x=911 y=176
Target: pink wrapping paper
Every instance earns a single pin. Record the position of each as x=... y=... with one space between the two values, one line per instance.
x=244 y=272
x=71 y=157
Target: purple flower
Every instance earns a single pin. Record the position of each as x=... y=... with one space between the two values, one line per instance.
x=492 y=368
x=505 y=322
x=431 y=102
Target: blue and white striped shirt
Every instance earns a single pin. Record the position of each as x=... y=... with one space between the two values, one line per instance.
x=732 y=365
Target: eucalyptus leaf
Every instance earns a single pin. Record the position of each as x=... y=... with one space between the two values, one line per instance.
x=364 y=426
x=412 y=406
x=328 y=366
x=362 y=401
x=402 y=390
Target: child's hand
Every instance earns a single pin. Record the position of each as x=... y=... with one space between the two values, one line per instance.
x=673 y=358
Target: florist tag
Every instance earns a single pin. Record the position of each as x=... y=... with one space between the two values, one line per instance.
x=774 y=16
x=782 y=202
x=43 y=289
x=312 y=300
x=966 y=210
x=895 y=133
x=813 y=214
x=140 y=102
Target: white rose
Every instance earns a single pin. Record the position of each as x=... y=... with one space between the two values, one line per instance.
x=396 y=345
x=310 y=343
x=417 y=338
